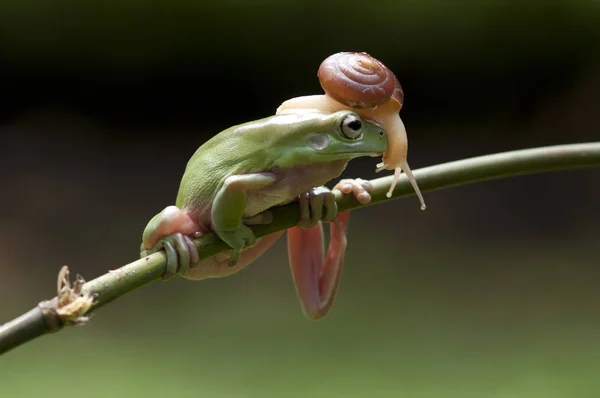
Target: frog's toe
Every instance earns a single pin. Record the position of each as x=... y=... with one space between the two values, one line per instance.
x=172 y=266
x=330 y=206
x=194 y=256
x=235 y=257
x=359 y=187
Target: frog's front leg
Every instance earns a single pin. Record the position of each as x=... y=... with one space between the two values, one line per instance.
x=317 y=278
x=228 y=211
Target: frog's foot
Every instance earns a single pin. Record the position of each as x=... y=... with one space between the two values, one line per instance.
x=238 y=238
x=242 y=237
x=316 y=205
x=172 y=230
x=181 y=252
x=359 y=187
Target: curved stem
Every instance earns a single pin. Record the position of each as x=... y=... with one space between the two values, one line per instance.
x=45 y=317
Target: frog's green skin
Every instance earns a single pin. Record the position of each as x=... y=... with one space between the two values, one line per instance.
x=235 y=177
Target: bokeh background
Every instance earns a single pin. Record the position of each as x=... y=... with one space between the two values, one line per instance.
x=491 y=292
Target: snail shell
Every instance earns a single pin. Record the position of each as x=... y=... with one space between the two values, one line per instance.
x=358 y=80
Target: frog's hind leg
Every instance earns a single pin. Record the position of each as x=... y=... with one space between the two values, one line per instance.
x=316 y=278
x=217 y=266
x=172 y=230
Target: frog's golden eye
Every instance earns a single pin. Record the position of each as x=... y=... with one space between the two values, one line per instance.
x=351 y=127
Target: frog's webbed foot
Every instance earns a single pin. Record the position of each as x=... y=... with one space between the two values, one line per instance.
x=243 y=237
x=319 y=203
x=359 y=187
x=316 y=205
x=181 y=253
x=172 y=230
x=238 y=240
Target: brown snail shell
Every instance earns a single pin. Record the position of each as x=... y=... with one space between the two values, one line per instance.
x=358 y=80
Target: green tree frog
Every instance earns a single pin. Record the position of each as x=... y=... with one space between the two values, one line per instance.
x=233 y=179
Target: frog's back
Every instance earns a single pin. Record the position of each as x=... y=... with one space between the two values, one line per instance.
x=238 y=150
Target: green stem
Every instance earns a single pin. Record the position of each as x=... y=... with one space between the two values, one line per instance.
x=143 y=271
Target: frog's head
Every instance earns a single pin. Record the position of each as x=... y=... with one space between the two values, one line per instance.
x=325 y=137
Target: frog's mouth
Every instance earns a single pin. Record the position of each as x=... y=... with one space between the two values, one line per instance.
x=320 y=143
x=356 y=154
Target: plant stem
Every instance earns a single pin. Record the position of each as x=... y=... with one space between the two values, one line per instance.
x=44 y=318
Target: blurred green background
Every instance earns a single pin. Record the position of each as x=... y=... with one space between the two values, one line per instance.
x=491 y=292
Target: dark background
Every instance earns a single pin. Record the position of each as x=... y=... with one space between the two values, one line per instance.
x=490 y=292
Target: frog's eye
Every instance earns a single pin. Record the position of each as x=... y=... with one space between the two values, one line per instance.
x=351 y=126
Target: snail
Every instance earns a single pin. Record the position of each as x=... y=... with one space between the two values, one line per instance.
x=359 y=82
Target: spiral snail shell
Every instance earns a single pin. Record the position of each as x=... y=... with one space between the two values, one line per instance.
x=357 y=81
